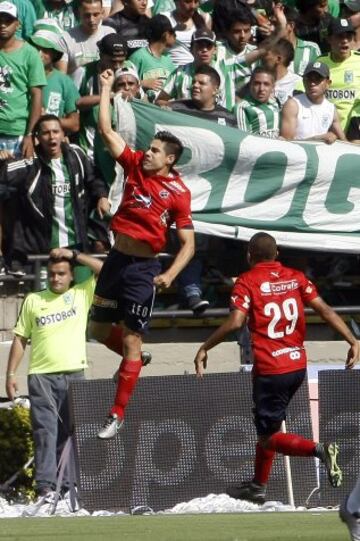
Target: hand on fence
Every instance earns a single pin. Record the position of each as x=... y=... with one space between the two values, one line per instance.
x=353 y=355
x=200 y=362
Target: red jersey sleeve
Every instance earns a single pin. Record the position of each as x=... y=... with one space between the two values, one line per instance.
x=307 y=289
x=241 y=296
x=129 y=159
x=182 y=212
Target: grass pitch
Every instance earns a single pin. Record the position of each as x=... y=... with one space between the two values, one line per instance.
x=227 y=527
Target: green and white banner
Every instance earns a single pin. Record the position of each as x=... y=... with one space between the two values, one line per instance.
x=307 y=195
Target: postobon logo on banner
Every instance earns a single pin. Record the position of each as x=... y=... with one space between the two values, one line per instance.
x=307 y=195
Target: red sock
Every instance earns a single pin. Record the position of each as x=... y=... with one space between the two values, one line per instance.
x=263 y=463
x=128 y=376
x=291 y=444
x=115 y=339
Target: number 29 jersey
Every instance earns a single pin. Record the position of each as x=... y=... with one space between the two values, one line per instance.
x=273 y=297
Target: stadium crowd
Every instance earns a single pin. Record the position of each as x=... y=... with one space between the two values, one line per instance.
x=286 y=69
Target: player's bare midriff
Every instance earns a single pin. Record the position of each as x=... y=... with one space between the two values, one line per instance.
x=130 y=246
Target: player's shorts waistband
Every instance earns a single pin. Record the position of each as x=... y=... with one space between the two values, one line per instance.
x=132 y=258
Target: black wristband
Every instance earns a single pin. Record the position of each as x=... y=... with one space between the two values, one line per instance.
x=75 y=254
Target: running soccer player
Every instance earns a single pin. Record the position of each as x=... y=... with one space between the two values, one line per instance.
x=154 y=198
x=272 y=297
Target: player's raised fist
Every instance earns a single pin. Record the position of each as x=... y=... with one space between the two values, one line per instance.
x=107 y=78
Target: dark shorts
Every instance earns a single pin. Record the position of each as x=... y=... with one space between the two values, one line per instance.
x=125 y=291
x=271 y=396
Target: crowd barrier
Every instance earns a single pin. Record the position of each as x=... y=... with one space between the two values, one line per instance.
x=339 y=420
x=183 y=438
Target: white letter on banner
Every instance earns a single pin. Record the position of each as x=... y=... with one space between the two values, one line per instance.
x=277 y=205
x=316 y=214
x=207 y=153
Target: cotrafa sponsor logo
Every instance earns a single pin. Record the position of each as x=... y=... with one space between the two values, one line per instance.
x=278 y=287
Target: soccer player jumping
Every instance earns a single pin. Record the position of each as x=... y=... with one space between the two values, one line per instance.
x=154 y=198
x=272 y=297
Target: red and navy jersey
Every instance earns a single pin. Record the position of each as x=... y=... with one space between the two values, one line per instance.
x=150 y=204
x=273 y=296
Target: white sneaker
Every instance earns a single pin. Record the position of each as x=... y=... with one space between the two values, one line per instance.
x=43 y=502
x=351 y=520
x=111 y=427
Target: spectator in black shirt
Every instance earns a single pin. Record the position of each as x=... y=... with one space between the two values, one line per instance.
x=204 y=93
x=313 y=21
x=130 y=24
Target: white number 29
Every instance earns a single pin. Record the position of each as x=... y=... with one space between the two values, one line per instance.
x=288 y=309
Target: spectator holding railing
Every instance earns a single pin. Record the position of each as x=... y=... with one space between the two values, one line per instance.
x=310 y=115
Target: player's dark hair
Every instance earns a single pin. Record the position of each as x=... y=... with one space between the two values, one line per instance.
x=285 y=49
x=261 y=69
x=42 y=119
x=211 y=72
x=262 y=247
x=173 y=145
x=55 y=260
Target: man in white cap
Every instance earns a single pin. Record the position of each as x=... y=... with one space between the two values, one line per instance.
x=311 y=115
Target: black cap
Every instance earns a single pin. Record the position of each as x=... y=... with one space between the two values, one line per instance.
x=204 y=34
x=112 y=44
x=340 y=26
x=317 y=67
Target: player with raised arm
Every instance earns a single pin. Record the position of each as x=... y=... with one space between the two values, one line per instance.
x=154 y=198
x=272 y=297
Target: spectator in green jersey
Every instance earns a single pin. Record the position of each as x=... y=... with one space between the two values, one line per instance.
x=27 y=17
x=304 y=51
x=60 y=94
x=51 y=319
x=237 y=32
x=22 y=78
x=62 y=11
x=178 y=84
x=259 y=113
x=153 y=62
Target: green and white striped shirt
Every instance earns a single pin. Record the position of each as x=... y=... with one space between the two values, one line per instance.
x=63 y=229
x=232 y=76
x=258 y=118
x=305 y=52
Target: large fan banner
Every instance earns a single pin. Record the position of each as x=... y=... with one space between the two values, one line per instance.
x=305 y=194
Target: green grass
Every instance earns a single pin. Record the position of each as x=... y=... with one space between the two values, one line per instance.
x=225 y=527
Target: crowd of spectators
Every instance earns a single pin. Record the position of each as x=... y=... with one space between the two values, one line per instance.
x=288 y=69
